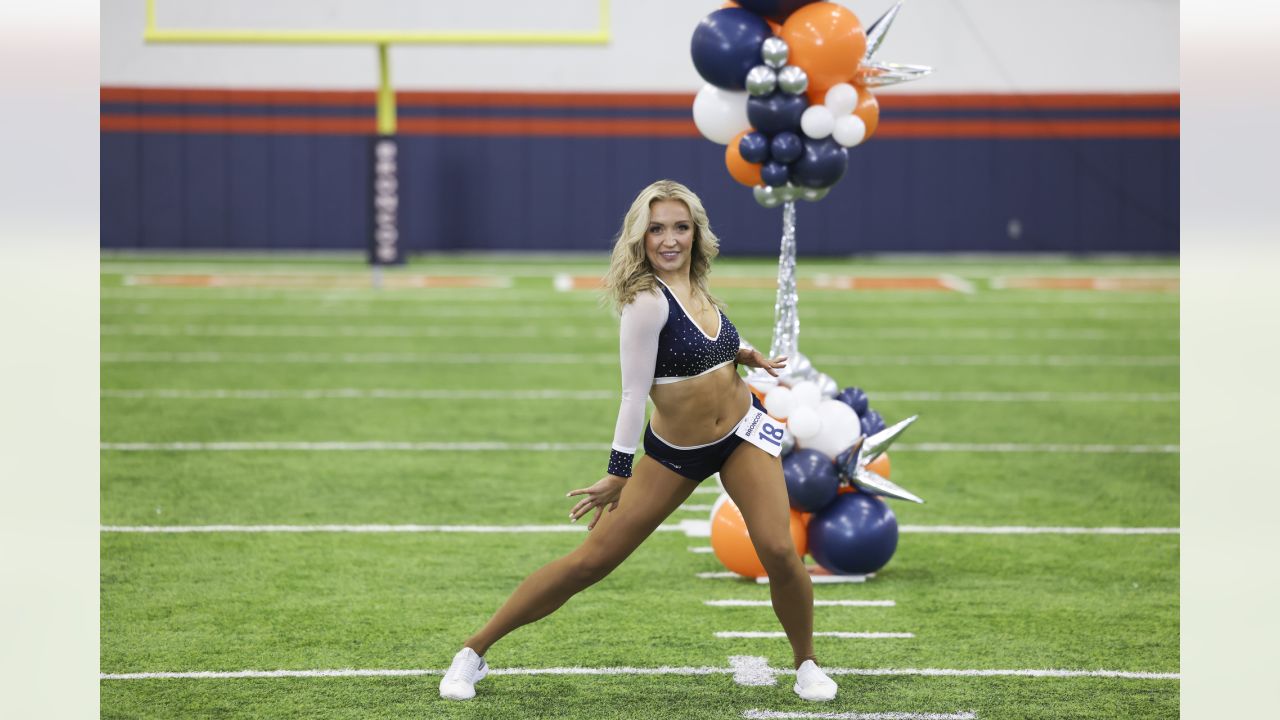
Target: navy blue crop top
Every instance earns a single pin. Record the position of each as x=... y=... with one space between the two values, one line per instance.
x=659 y=343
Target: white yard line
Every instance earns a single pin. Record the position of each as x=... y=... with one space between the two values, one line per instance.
x=592 y=395
x=756 y=714
x=416 y=330
x=485 y=446
x=696 y=508
x=816 y=603
x=662 y=670
x=392 y=358
x=686 y=526
x=752 y=635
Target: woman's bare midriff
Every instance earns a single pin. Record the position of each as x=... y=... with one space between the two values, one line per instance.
x=701 y=409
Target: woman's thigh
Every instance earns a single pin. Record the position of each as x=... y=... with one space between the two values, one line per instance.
x=753 y=478
x=652 y=493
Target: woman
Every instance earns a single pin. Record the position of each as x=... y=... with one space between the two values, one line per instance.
x=678 y=348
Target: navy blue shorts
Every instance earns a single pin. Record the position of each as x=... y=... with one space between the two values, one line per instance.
x=696 y=463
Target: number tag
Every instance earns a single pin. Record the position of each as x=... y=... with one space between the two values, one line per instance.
x=762 y=431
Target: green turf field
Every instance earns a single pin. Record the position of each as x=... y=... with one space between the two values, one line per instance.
x=1046 y=410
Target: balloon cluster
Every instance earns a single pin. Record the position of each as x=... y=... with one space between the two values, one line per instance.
x=784 y=94
x=835 y=466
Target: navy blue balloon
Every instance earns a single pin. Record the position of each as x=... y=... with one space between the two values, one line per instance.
x=774 y=174
x=872 y=423
x=856 y=534
x=785 y=147
x=811 y=479
x=726 y=44
x=855 y=398
x=777 y=112
x=822 y=164
x=754 y=147
x=776 y=10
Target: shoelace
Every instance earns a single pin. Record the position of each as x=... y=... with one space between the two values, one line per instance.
x=465 y=669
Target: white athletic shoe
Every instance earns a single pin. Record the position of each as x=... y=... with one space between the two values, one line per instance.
x=460 y=680
x=813 y=684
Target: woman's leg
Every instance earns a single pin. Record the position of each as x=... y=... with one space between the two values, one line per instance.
x=754 y=481
x=651 y=494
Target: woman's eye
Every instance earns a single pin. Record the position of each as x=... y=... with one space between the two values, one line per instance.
x=655 y=229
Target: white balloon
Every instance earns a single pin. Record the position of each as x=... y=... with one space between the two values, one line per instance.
x=779 y=402
x=840 y=428
x=841 y=99
x=720 y=114
x=804 y=423
x=849 y=130
x=807 y=394
x=816 y=122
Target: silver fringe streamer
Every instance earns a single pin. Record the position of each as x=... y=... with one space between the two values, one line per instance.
x=786 y=319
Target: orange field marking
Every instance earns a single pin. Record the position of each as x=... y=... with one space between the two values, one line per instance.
x=828 y=282
x=1132 y=284
x=316 y=281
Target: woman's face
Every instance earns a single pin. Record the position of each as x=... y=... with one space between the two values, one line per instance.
x=668 y=242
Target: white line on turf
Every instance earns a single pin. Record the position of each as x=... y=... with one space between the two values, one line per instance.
x=693 y=528
x=752 y=635
x=394 y=358
x=663 y=670
x=479 y=446
x=752 y=670
x=718 y=575
x=414 y=330
x=799 y=715
x=706 y=490
x=591 y=395
x=696 y=508
x=816 y=603
x=360 y=394
x=702 y=550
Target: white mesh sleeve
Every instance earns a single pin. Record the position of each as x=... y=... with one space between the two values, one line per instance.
x=642 y=321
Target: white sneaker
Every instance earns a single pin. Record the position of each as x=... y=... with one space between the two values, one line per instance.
x=459 y=681
x=813 y=684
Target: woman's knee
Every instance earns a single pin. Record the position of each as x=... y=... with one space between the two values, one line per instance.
x=588 y=568
x=777 y=555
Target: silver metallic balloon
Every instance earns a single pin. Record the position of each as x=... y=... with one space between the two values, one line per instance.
x=879 y=74
x=873 y=484
x=801 y=368
x=774 y=52
x=761 y=80
x=789 y=192
x=877 y=444
x=792 y=79
x=788 y=441
x=827 y=385
x=766 y=196
x=814 y=194
x=878 y=29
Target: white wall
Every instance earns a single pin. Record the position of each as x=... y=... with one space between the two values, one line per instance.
x=974 y=45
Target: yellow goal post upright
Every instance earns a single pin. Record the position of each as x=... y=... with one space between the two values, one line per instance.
x=385 y=247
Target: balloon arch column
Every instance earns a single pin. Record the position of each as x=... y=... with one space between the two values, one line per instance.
x=789 y=94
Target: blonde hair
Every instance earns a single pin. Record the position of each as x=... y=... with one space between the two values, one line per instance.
x=630 y=271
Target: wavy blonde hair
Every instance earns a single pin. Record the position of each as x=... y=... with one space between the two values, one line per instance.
x=630 y=271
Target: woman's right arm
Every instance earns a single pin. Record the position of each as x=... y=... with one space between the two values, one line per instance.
x=642 y=321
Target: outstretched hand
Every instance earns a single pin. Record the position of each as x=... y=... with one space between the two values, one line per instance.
x=606 y=491
x=752 y=358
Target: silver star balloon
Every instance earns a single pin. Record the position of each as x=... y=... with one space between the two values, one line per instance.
x=879 y=74
x=878 y=29
x=851 y=465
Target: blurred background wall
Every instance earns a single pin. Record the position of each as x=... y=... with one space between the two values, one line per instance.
x=1048 y=126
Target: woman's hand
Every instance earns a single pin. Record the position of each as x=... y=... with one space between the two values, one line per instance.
x=752 y=358
x=606 y=491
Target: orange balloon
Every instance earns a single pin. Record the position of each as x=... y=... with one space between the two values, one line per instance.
x=828 y=42
x=732 y=544
x=747 y=173
x=868 y=110
x=880 y=465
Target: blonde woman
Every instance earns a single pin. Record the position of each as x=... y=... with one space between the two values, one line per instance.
x=678 y=348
